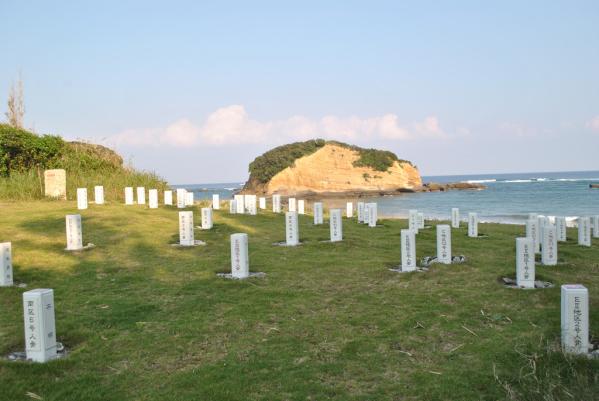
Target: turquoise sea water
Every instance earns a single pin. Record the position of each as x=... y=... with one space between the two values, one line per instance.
x=508 y=197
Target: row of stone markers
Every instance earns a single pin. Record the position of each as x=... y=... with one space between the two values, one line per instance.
x=542 y=236
x=82 y=196
x=367 y=213
x=184 y=197
x=39 y=304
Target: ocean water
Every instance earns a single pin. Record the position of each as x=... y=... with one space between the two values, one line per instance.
x=508 y=197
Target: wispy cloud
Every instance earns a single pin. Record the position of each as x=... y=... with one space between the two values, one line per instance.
x=594 y=124
x=231 y=125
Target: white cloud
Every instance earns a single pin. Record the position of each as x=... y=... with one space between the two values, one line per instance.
x=594 y=124
x=232 y=125
x=429 y=127
x=181 y=133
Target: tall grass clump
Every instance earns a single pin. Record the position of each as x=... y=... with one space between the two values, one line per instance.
x=24 y=156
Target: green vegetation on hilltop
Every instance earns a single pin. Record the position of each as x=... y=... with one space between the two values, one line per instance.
x=266 y=166
x=24 y=156
x=143 y=320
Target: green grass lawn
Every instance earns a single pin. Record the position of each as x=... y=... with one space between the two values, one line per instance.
x=147 y=321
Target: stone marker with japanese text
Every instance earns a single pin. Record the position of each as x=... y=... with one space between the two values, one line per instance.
x=186 y=237
x=240 y=261
x=549 y=249
x=74 y=232
x=206 y=218
x=6 y=272
x=525 y=262
x=575 y=319
x=318 y=213
x=408 y=250
x=443 y=244
x=455 y=217
x=336 y=225
x=40 y=326
x=291 y=229
x=55 y=184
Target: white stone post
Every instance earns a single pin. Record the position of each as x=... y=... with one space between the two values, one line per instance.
x=262 y=202
x=206 y=218
x=250 y=204
x=366 y=214
x=455 y=217
x=549 y=250
x=373 y=214
x=336 y=225
x=216 y=201
x=360 y=212
x=408 y=251
x=584 y=231
x=318 y=213
x=181 y=198
x=472 y=225
x=74 y=232
x=40 y=326
x=99 y=195
x=525 y=262
x=276 y=203
x=444 y=244
x=189 y=198
x=349 y=210
x=291 y=229
x=239 y=204
x=186 y=237
x=81 y=198
x=413 y=220
x=153 y=198
x=247 y=199
x=232 y=207
x=129 y=196
x=533 y=216
x=575 y=319
x=596 y=227
x=532 y=231
x=168 y=198
x=420 y=217
x=300 y=207
x=561 y=228
x=6 y=277
x=141 y=196
x=543 y=221
x=291 y=205
x=240 y=261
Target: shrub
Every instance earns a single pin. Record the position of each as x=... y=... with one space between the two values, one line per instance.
x=24 y=156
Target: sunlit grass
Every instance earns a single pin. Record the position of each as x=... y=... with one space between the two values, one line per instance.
x=148 y=321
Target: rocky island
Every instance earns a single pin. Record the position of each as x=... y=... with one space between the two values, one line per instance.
x=330 y=168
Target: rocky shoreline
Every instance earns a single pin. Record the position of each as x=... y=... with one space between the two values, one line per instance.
x=428 y=187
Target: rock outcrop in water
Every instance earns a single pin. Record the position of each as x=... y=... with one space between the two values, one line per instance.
x=319 y=167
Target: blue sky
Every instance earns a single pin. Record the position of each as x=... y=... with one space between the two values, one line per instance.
x=195 y=91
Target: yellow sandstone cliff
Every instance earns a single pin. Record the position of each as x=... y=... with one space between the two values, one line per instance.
x=332 y=169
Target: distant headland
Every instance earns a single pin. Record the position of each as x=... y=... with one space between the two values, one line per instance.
x=330 y=168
